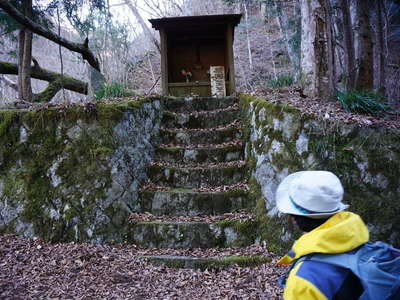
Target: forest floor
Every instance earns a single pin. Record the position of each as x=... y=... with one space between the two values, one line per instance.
x=34 y=269
x=321 y=109
x=328 y=110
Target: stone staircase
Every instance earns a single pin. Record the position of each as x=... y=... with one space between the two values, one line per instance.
x=197 y=193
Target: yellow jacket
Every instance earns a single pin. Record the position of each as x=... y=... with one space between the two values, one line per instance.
x=310 y=280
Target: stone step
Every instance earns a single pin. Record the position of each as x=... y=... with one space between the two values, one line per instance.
x=190 y=104
x=190 y=137
x=202 y=119
x=207 y=263
x=197 y=177
x=201 y=154
x=193 y=234
x=186 y=202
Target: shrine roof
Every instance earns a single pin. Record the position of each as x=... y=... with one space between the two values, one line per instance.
x=178 y=22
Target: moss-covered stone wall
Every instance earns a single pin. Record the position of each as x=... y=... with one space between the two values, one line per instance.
x=282 y=140
x=72 y=174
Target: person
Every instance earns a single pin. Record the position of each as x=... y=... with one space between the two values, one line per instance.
x=313 y=200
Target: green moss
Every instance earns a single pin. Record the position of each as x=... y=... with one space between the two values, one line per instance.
x=251 y=163
x=245 y=227
x=270 y=228
x=7 y=117
x=365 y=164
x=177 y=264
x=235 y=193
x=365 y=159
x=275 y=109
x=244 y=261
x=157 y=172
x=172 y=150
x=103 y=152
x=65 y=210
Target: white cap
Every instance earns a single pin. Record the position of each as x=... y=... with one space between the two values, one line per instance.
x=315 y=194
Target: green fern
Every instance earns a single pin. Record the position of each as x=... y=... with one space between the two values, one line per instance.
x=113 y=90
x=281 y=81
x=362 y=102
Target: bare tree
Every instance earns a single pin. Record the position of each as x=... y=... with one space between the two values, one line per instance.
x=330 y=47
x=348 y=45
x=83 y=49
x=380 y=47
x=147 y=31
x=364 y=77
x=246 y=14
x=289 y=32
x=314 y=50
x=25 y=56
x=160 y=9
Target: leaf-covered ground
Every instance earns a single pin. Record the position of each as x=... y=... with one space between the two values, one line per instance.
x=33 y=269
x=328 y=110
x=148 y=185
x=241 y=216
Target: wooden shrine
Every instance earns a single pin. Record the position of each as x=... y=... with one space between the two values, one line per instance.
x=190 y=46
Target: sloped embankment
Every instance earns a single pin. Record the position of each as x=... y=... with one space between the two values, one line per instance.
x=73 y=174
x=282 y=140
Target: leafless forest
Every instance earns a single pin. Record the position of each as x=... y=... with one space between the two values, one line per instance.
x=267 y=45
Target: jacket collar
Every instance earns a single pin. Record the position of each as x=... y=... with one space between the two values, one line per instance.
x=342 y=232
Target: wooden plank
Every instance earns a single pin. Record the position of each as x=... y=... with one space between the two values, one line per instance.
x=190 y=90
x=231 y=64
x=164 y=62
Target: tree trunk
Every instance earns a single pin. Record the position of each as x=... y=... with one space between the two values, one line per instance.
x=348 y=44
x=330 y=47
x=290 y=36
x=21 y=40
x=314 y=53
x=365 y=62
x=380 y=49
x=83 y=49
x=248 y=36
x=37 y=72
x=26 y=88
x=263 y=9
x=96 y=80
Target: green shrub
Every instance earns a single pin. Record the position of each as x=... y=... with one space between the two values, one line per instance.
x=113 y=90
x=281 y=81
x=362 y=102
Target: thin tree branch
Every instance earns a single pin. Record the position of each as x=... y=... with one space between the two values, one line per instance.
x=83 y=49
x=9 y=82
x=61 y=57
x=142 y=23
x=153 y=86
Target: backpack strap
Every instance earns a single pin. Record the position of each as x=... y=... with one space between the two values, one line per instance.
x=282 y=279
